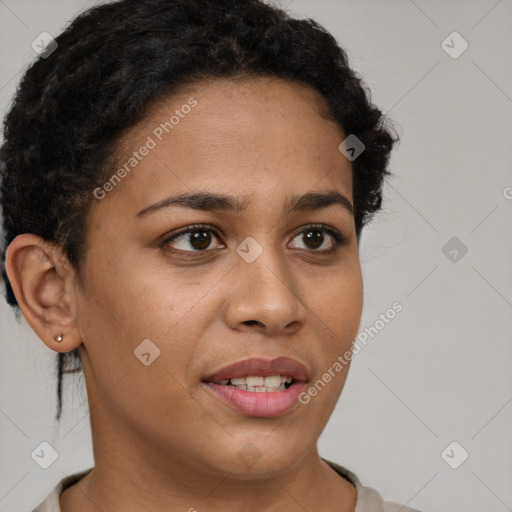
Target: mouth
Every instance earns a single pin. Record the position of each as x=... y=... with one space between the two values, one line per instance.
x=259 y=387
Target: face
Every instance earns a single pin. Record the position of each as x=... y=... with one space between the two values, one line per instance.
x=263 y=280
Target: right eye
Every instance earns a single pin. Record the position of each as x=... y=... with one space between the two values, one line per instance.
x=198 y=236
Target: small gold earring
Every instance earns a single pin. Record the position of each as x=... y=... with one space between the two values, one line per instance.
x=59 y=338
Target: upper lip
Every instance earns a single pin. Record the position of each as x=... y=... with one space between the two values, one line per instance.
x=284 y=366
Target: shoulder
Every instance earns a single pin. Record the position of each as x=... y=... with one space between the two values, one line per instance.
x=51 y=503
x=368 y=499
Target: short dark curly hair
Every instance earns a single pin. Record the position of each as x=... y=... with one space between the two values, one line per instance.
x=73 y=107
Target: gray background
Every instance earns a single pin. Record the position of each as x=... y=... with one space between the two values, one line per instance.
x=440 y=371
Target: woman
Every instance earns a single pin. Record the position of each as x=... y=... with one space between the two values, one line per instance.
x=184 y=190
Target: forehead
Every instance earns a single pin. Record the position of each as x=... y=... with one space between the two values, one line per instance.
x=252 y=137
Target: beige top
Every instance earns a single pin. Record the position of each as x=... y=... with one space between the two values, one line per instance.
x=368 y=499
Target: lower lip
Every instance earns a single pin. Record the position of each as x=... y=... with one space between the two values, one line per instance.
x=251 y=403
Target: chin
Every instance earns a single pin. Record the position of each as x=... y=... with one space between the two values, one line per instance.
x=255 y=456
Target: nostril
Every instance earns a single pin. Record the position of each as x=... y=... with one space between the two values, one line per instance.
x=252 y=322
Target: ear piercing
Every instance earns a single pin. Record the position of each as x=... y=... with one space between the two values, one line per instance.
x=59 y=338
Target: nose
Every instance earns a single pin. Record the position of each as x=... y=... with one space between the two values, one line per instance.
x=266 y=296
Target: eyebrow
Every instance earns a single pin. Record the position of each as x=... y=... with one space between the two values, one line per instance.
x=209 y=201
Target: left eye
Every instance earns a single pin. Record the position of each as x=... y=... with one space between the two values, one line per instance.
x=200 y=238
x=314 y=235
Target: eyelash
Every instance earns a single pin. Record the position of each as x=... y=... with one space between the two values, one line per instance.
x=339 y=239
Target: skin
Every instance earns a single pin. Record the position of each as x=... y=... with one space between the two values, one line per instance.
x=161 y=441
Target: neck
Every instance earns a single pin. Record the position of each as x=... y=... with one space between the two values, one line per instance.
x=126 y=478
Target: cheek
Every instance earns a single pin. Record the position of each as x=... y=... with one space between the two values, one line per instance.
x=338 y=306
x=127 y=302
x=337 y=315
x=126 y=313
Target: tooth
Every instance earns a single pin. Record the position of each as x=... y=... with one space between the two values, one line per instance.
x=273 y=381
x=254 y=381
x=258 y=383
x=258 y=389
x=261 y=389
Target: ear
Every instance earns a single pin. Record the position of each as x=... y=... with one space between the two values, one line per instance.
x=44 y=285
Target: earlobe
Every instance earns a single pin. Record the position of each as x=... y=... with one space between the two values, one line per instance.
x=40 y=276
